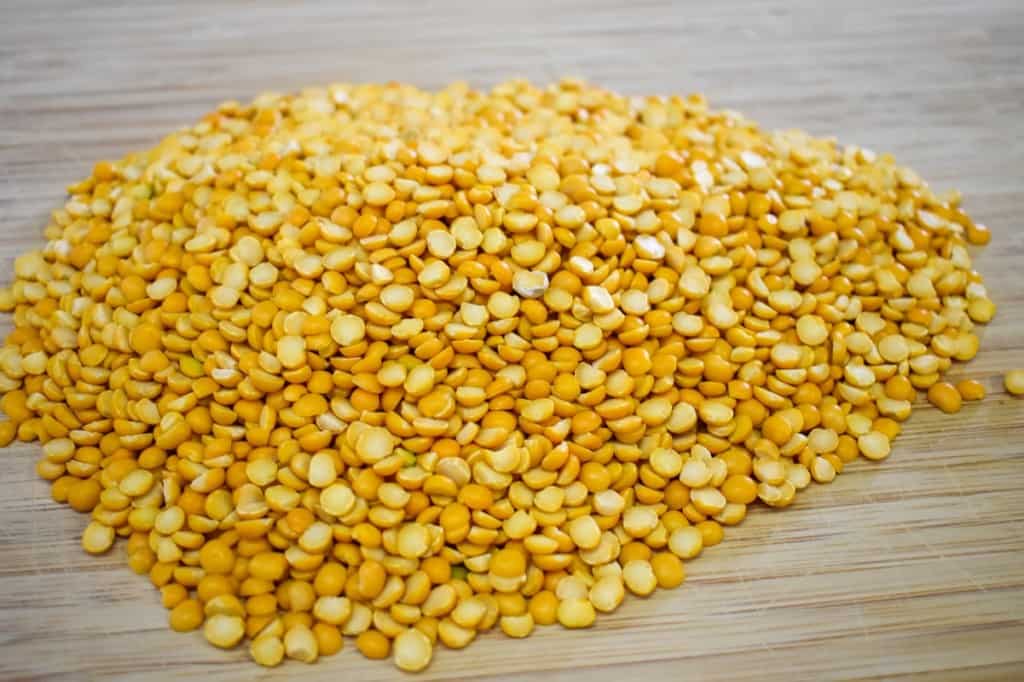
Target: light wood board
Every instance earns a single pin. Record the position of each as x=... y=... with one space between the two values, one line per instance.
x=909 y=569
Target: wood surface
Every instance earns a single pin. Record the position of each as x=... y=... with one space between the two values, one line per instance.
x=912 y=569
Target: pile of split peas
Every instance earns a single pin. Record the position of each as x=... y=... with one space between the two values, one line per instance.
x=406 y=366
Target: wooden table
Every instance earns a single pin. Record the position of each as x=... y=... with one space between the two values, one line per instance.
x=910 y=569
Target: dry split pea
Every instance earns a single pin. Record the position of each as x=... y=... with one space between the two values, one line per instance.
x=404 y=366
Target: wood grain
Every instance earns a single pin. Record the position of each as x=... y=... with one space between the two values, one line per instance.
x=909 y=570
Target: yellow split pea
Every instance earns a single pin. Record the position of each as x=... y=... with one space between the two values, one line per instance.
x=402 y=366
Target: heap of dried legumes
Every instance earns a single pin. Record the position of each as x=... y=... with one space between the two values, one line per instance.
x=407 y=366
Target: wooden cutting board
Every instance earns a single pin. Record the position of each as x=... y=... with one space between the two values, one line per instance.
x=911 y=568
